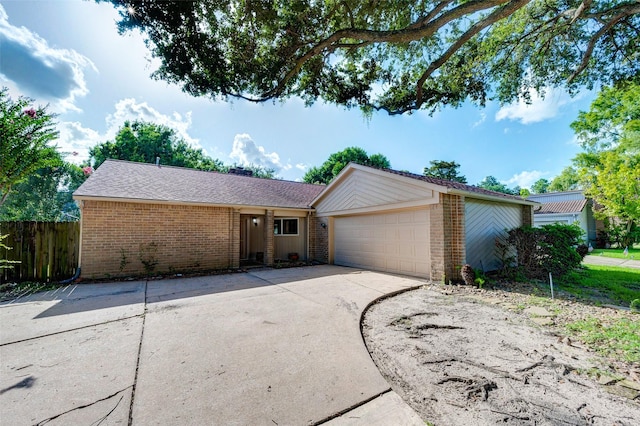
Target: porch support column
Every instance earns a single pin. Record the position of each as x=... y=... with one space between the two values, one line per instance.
x=234 y=252
x=268 y=238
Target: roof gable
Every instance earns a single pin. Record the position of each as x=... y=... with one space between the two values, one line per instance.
x=365 y=189
x=425 y=182
x=125 y=180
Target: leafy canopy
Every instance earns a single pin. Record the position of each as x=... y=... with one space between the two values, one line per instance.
x=398 y=56
x=609 y=169
x=45 y=196
x=143 y=142
x=492 y=184
x=338 y=160
x=540 y=186
x=26 y=134
x=444 y=170
x=567 y=180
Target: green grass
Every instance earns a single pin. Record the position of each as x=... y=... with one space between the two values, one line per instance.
x=634 y=253
x=619 y=339
x=604 y=284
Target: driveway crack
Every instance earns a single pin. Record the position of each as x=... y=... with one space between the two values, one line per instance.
x=135 y=379
x=49 y=419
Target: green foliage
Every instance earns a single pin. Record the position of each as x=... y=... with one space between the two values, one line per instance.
x=609 y=167
x=540 y=186
x=492 y=184
x=338 y=160
x=142 y=142
x=635 y=305
x=398 y=56
x=444 y=170
x=45 y=196
x=27 y=133
x=544 y=250
x=567 y=180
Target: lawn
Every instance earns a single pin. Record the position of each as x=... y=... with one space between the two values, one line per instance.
x=604 y=284
x=619 y=337
x=634 y=253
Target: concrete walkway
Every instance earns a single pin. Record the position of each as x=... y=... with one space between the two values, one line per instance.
x=610 y=261
x=269 y=347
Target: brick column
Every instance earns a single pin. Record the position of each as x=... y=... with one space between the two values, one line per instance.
x=318 y=239
x=234 y=241
x=447 y=238
x=268 y=238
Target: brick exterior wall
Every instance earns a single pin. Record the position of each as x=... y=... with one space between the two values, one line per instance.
x=527 y=215
x=318 y=239
x=447 y=231
x=187 y=238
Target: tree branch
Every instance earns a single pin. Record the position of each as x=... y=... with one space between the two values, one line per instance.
x=475 y=29
x=586 y=57
x=405 y=35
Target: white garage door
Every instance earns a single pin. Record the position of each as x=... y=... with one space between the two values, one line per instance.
x=389 y=242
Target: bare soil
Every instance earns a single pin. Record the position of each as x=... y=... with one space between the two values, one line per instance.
x=463 y=356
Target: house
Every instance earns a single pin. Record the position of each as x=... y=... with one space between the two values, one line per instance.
x=181 y=219
x=567 y=208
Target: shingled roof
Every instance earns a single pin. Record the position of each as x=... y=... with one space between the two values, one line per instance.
x=124 y=180
x=457 y=185
x=562 y=207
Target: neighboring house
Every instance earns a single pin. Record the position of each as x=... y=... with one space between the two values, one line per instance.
x=377 y=219
x=187 y=219
x=567 y=208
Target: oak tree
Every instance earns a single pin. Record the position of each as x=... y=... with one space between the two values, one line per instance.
x=398 y=56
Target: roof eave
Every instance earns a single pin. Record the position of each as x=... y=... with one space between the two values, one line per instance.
x=487 y=197
x=184 y=203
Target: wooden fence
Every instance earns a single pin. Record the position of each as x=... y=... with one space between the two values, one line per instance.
x=47 y=251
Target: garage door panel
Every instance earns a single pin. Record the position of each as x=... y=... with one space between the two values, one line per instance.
x=390 y=242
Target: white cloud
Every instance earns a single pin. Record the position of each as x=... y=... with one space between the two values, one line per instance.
x=526 y=178
x=539 y=109
x=246 y=152
x=481 y=120
x=39 y=70
x=129 y=109
x=75 y=140
x=302 y=167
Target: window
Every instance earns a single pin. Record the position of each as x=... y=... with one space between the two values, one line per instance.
x=285 y=226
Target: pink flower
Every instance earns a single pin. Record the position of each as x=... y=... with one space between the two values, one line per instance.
x=87 y=170
x=30 y=112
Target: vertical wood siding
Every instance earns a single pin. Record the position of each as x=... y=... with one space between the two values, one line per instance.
x=484 y=222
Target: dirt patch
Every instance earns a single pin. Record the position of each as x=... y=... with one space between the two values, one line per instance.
x=463 y=356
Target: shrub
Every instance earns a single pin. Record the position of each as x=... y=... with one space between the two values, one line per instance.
x=544 y=250
x=582 y=250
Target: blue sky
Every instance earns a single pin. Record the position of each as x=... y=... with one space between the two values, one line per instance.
x=68 y=54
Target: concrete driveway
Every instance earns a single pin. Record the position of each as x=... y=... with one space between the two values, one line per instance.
x=268 y=347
